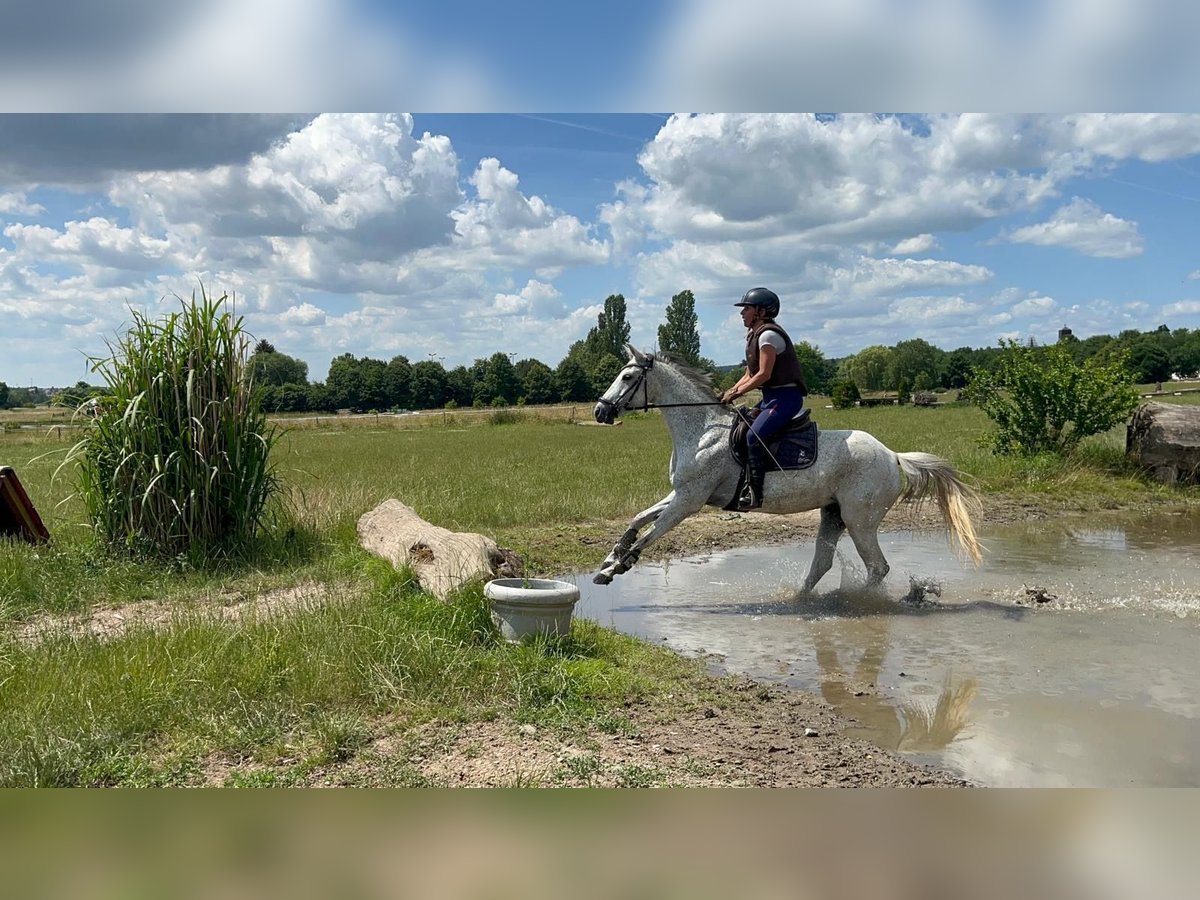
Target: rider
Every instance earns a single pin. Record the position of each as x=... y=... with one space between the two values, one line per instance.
x=771 y=364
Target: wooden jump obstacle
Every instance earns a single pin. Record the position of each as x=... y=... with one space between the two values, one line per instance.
x=17 y=513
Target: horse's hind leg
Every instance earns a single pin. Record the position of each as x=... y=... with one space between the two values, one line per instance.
x=864 y=531
x=831 y=529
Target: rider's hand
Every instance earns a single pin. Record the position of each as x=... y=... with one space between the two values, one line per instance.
x=729 y=396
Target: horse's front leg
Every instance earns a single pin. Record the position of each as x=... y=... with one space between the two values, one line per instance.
x=672 y=510
x=611 y=563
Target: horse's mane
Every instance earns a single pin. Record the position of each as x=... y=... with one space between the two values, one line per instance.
x=698 y=377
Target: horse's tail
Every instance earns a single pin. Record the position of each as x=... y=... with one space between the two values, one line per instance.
x=926 y=474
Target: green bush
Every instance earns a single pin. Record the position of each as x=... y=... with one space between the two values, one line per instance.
x=176 y=465
x=1041 y=400
x=845 y=394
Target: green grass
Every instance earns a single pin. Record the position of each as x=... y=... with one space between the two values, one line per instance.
x=149 y=707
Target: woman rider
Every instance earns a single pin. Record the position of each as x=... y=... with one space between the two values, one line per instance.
x=771 y=364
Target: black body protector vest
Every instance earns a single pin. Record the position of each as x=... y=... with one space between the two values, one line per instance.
x=787 y=369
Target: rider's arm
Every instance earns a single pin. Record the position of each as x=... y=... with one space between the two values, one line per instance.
x=748 y=382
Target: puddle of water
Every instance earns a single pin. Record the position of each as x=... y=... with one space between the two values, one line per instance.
x=1099 y=685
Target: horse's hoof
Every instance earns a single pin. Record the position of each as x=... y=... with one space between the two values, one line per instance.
x=602 y=578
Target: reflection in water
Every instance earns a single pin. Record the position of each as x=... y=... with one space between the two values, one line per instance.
x=911 y=725
x=1095 y=687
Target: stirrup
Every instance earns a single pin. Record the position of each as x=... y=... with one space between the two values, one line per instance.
x=748 y=501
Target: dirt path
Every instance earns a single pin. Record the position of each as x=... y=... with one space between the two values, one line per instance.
x=743 y=734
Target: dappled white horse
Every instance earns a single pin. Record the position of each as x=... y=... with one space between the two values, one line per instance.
x=854 y=481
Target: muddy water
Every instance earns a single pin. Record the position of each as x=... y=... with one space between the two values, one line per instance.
x=1072 y=657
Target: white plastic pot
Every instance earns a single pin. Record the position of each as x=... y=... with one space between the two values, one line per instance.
x=524 y=607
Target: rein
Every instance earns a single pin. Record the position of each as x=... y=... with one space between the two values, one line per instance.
x=623 y=400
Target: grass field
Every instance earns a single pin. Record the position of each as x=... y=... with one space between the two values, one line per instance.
x=153 y=706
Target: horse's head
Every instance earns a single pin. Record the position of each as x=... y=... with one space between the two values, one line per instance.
x=627 y=389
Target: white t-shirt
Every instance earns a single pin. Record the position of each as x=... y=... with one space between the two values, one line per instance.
x=772 y=338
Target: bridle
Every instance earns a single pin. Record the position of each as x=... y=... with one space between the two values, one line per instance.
x=627 y=394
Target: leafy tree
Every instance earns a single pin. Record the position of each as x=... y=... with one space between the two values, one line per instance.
x=912 y=357
x=375 y=384
x=1041 y=400
x=537 y=381
x=428 y=385
x=498 y=382
x=3 y=395
x=611 y=332
x=399 y=372
x=727 y=378
x=1150 y=361
x=845 y=394
x=1185 y=359
x=318 y=397
x=602 y=374
x=958 y=368
x=868 y=368
x=271 y=367
x=292 y=397
x=680 y=334
x=813 y=364
x=460 y=386
x=571 y=380
x=264 y=346
x=345 y=382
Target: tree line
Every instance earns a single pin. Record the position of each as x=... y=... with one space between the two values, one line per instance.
x=365 y=384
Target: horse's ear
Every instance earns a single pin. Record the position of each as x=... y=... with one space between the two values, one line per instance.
x=636 y=355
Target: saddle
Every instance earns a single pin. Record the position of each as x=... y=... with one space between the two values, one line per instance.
x=792 y=447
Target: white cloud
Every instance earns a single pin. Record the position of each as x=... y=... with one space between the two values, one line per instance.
x=1035 y=306
x=922 y=243
x=537 y=298
x=95 y=242
x=1083 y=226
x=15 y=204
x=1182 y=308
x=504 y=227
x=928 y=309
x=304 y=314
x=1194 y=276
x=748 y=177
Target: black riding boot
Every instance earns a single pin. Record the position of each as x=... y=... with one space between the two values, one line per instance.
x=756 y=470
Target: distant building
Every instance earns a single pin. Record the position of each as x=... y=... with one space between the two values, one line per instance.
x=1064 y=334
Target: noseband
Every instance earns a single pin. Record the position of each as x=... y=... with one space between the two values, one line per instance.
x=628 y=394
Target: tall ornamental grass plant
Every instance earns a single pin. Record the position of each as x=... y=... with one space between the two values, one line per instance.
x=176 y=465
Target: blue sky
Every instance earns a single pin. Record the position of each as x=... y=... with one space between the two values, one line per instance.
x=462 y=232
x=458 y=235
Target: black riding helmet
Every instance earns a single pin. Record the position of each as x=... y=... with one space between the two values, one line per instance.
x=761 y=297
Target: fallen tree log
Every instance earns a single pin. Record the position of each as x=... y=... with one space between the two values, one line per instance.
x=443 y=560
x=1165 y=438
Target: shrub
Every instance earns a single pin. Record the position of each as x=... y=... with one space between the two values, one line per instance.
x=176 y=465
x=505 y=417
x=1043 y=401
x=845 y=394
x=903 y=391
